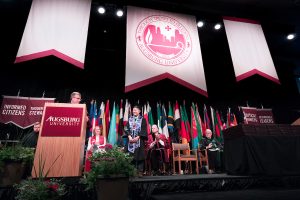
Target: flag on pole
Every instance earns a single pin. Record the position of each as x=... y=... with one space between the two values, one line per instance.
x=112 y=136
x=177 y=122
x=164 y=123
x=107 y=117
x=194 y=132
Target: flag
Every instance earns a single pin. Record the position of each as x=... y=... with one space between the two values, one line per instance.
x=218 y=133
x=184 y=133
x=146 y=117
x=234 y=122
x=112 y=136
x=228 y=118
x=164 y=123
x=171 y=122
x=151 y=121
x=117 y=120
x=194 y=132
x=126 y=113
x=95 y=116
x=159 y=117
x=249 y=49
x=102 y=119
x=177 y=122
x=91 y=117
x=58 y=28
x=198 y=123
x=107 y=117
x=206 y=119
x=162 y=45
x=186 y=122
x=219 y=128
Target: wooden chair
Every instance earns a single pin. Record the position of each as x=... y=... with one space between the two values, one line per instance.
x=178 y=156
x=203 y=157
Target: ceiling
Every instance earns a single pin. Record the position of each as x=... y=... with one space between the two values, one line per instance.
x=278 y=17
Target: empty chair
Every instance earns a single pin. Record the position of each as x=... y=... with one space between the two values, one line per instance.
x=182 y=152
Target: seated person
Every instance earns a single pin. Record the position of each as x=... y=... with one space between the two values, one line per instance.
x=157 y=153
x=30 y=139
x=96 y=143
x=213 y=151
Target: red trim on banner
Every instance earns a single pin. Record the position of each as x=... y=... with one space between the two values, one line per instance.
x=161 y=77
x=49 y=53
x=255 y=71
x=241 y=20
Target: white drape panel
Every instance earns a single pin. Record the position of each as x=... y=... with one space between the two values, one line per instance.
x=162 y=45
x=56 y=27
x=249 y=50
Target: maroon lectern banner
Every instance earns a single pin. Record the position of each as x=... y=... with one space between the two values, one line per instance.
x=62 y=122
x=250 y=115
x=22 y=111
x=257 y=116
x=265 y=116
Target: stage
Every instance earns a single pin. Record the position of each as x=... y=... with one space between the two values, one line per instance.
x=203 y=186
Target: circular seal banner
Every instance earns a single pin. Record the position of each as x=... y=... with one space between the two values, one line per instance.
x=163 y=40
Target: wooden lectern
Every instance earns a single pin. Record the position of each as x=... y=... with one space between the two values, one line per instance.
x=61 y=140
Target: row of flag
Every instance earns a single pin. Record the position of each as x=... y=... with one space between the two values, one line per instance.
x=176 y=125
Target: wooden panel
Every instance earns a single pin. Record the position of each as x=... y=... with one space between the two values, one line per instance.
x=69 y=151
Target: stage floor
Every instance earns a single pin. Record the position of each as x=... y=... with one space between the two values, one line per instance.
x=250 y=194
x=169 y=187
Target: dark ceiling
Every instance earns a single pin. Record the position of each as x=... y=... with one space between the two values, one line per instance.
x=105 y=55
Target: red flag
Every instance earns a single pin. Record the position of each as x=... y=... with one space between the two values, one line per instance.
x=107 y=117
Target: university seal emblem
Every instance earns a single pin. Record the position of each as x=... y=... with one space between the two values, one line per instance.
x=163 y=40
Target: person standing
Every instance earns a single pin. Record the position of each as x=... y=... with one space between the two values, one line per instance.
x=75 y=98
x=136 y=131
x=30 y=140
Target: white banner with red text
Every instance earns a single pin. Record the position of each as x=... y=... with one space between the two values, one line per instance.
x=163 y=45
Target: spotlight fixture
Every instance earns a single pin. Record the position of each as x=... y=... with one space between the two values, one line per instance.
x=101 y=10
x=119 y=13
x=290 y=36
x=217 y=26
x=200 y=24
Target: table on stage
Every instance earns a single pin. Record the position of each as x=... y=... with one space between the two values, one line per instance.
x=272 y=149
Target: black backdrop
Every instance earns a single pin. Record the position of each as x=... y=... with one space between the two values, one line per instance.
x=104 y=74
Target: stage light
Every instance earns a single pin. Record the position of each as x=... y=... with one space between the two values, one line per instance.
x=290 y=36
x=200 y=24
x=119 y=13
x=101 y=10
x=217 y=26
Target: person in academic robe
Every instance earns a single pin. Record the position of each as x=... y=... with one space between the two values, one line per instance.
x=30 y=139
x=213 y=151
x=136 y=131
x=158 y=151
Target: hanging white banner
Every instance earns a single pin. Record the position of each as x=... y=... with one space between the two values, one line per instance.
x=58 y=28
x=163 y=45
x=249 y=49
